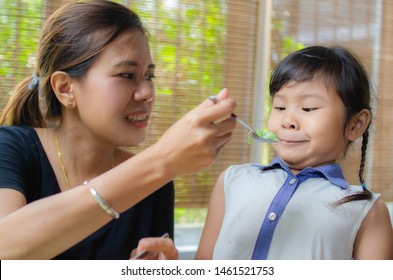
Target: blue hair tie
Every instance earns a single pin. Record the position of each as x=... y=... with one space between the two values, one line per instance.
x=34 y=83
x=363 y=186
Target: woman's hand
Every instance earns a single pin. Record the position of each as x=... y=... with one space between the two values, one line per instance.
x=194 y=141
x=155 y=248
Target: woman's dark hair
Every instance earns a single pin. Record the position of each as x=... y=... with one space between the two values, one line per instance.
x=340 y=69
x=71 y=40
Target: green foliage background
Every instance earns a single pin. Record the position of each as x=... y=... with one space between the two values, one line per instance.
x=19 y=34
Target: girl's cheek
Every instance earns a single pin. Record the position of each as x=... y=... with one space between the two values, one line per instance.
x=272 y=122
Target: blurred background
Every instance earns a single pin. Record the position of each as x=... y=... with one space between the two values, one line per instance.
x=200 y=47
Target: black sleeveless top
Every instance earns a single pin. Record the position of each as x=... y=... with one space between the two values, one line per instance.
x=25 y=167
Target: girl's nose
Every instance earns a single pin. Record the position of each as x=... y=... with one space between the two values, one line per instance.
x=290 y=122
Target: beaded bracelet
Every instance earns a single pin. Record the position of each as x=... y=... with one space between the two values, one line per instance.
x=104 y=205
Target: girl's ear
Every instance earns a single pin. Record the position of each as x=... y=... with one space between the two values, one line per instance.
x=358 y=124
x=62 y=86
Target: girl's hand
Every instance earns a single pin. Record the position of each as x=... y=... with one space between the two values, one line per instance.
x=155 y=248
x=194 y=141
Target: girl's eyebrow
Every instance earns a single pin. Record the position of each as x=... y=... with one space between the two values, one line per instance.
x=302 y=96
x=312 y=95
x=133 y=63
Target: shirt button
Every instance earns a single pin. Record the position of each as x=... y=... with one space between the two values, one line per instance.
x=292 y=181
x=272 y=216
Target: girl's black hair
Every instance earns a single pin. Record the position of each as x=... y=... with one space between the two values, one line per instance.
x=340 y=69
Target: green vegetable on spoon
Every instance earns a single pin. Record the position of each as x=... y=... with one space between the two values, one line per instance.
x=265 y=134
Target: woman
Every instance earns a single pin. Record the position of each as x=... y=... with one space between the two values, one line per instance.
x=63 y=180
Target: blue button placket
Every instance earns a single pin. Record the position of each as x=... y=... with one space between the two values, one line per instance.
x=331 y=172
x=272 y=217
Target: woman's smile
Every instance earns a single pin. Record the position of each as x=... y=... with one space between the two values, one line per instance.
x=138 y=120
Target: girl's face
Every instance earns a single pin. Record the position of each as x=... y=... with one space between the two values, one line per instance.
x=309 y=120
x=115 y=98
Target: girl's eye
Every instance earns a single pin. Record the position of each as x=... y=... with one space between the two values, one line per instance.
x=279 y=108
x=150 y=77
x=309 y=109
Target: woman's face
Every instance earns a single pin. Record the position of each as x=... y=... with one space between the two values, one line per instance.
x=309 y=119
x=115 y=98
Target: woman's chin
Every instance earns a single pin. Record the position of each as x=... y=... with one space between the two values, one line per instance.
x=133 y=141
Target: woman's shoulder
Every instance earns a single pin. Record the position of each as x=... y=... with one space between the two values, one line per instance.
x=21 y=130
x=18 y=134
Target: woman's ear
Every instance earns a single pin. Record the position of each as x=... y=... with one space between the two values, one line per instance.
x=62 y=86
x=358 y=124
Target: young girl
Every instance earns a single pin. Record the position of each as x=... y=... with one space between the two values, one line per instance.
x=300 y=206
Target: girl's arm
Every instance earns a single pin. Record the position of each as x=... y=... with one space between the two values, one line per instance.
x=48 y=226
x=374 y=240
x=213 y=222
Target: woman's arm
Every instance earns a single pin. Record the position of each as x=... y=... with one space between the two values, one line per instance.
x=374 y=240
x=49 y=226
x=213 y=222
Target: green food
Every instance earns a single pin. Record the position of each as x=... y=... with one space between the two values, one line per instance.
x=265 y=134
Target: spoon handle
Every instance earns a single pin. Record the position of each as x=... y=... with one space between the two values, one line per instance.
x=252 y=133
x=242 y=122
x=233 y=115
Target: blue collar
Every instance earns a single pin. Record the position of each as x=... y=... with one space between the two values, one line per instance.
x=331 y=172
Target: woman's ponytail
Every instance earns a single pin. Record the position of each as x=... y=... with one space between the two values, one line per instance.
x=23 y=107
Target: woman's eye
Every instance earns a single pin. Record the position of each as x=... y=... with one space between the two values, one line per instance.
x=127 y=75
x=150 y=77
x=279 y=108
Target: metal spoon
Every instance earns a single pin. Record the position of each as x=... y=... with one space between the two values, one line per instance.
x=251 y=131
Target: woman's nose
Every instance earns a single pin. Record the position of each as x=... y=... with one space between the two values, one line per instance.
x=144 y=92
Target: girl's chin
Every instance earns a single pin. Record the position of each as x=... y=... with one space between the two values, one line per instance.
x=294 y=164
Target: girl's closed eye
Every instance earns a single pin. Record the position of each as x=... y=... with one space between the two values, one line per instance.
x=309 y=109
x=279 y=108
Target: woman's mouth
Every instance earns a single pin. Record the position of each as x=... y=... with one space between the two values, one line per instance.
x=137 y=118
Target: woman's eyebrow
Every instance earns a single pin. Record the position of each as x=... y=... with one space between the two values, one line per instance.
x=133 y=63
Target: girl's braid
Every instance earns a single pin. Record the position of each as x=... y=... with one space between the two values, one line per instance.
x=365 y=194
x=363 y=158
